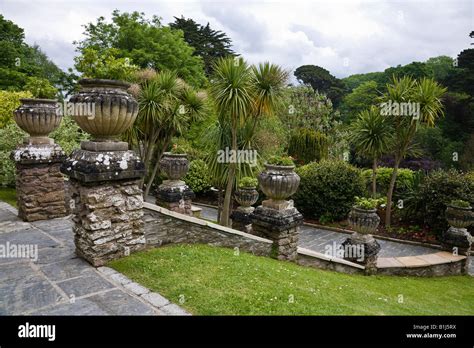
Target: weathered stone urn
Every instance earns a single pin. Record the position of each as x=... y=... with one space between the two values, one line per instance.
x=114 y=109
x=38 y=117
x=364 y=221
x=246 y=196
x=457 y=236
x=459 y=217
x=175 y=166
x=278 y=182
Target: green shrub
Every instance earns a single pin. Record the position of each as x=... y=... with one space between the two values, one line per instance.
x=248 y=181
x=69 y=135
x=281 y=161
x=307 y=145
x=198 y=178
x=10 y=137
x=366 y=203
x=438 y=189
x=328 y=188
x=41 y=88
x=459 y=203
x=405 y=180
x=9 y=101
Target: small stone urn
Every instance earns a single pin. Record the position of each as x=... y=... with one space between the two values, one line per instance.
x=174 y=166
x=111 y=110
x=364 y=221
x=246 y=196
x=278 y=183
x=457 y=236
x=38 y=117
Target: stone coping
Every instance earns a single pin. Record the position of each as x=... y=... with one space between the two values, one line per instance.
x=426 y=260
x=202 y=222
x=312 y=253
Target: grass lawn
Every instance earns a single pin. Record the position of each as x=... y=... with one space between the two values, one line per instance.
x=8 y=194
x=214 y=281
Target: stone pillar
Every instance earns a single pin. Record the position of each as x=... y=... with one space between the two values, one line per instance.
x=363 y=249
x=175 y=195
x=242 y=220
x=108 y=201
x=39 y=182
x=280 y=223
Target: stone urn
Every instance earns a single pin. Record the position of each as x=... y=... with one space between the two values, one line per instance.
x=114 y=110
x=246 y=196
x=459 y=217
x=175 y=166
x=38 y=117
x=364 y=221
x=278 y=182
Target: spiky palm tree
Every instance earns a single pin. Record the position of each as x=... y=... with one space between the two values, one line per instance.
x=372 y=136
x=242 y=94
x=427 y=93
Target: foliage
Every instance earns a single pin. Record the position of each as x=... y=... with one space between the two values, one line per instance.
x=307 y=145
x=328 y=187
x=9 y=101
x=208 y=44
x=361 y=98
x=198 y=178
x=404 y=181
x=460 y=203
x=281 y=161
x=177 y=150
x=10 y=136
x=69 y=135
x=248 y=181
x=8 y=195
x=40 y=88
x=366 y=203
x=146 y=43
x=104 y=64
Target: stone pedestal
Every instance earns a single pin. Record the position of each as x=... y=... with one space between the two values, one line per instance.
x=241 y=219
x=363 y=249
x=176 y=196
x=108 y=201
x=279 y=225
x=39 y=182
x=457 y=239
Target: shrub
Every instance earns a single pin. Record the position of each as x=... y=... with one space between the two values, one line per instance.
x=438 y=189
x=9 y=101
x=69 y=135
x=10 y=137
x=366 y=203
x=405 y=180
x=459 y=203
x=178 y=150
x=198 y=177
x=328 y=188
x=41 y=88
x=281 y=161
x=307 y=145
x=247 y=181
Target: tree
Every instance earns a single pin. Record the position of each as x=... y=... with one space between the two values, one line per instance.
x=321 y=80
x=428 y=94
x=242 y=95
x=166 y=107
x=361 y=98
x=209 y=44
x=147 y=43
x=372 y=136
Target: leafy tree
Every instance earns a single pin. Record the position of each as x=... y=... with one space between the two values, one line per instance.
x=146 y=42
x=209 y=44
x=361 y=98
x=40 y=88
x=9 y=101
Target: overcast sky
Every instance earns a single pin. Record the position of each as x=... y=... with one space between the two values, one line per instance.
x=345 y=37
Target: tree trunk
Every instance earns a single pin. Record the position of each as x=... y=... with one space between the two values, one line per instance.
x=219 y=204
x=374 y=178
x=224 y=221
x=155 y=170
x=393 y=179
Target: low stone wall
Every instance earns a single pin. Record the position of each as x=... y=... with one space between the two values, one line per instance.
x=163 y=226
x=314 y=259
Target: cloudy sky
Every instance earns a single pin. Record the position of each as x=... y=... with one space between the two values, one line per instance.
x=345 y=37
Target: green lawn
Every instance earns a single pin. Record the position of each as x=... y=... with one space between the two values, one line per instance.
x=214 y=281
x=8 y=195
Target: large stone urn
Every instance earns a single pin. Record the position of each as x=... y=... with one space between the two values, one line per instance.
x=364 y=221
x=114 y=109
x=38 y=117
x=174 y=194
x=278 y=183
x=457 y=237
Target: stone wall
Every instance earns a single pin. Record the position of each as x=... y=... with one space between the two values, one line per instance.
x=314 y=259
x=163 y=226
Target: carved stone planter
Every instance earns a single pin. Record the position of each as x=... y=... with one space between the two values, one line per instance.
x=175 y=166
x=38 y=117
x=364 y=221
x=114 y=109
x=278 y=183
x=246 y=196
x=459 y=217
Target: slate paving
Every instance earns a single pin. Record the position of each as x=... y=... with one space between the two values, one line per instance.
x=58 y=282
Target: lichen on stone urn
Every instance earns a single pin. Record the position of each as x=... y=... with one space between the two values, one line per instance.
x=278 y=182
x=38 y=117
x=114 y=109
x=174 y=166
x=364 y=221
x=246 y=196
x=459 y=217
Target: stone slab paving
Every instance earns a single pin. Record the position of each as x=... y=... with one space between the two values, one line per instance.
x=60 y=283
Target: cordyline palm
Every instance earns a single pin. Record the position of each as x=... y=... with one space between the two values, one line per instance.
x=428 y=93
x=243 y=94
x=372 y=136
x=167 y=105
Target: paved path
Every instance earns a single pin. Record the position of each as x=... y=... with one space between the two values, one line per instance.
x=58 y=282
